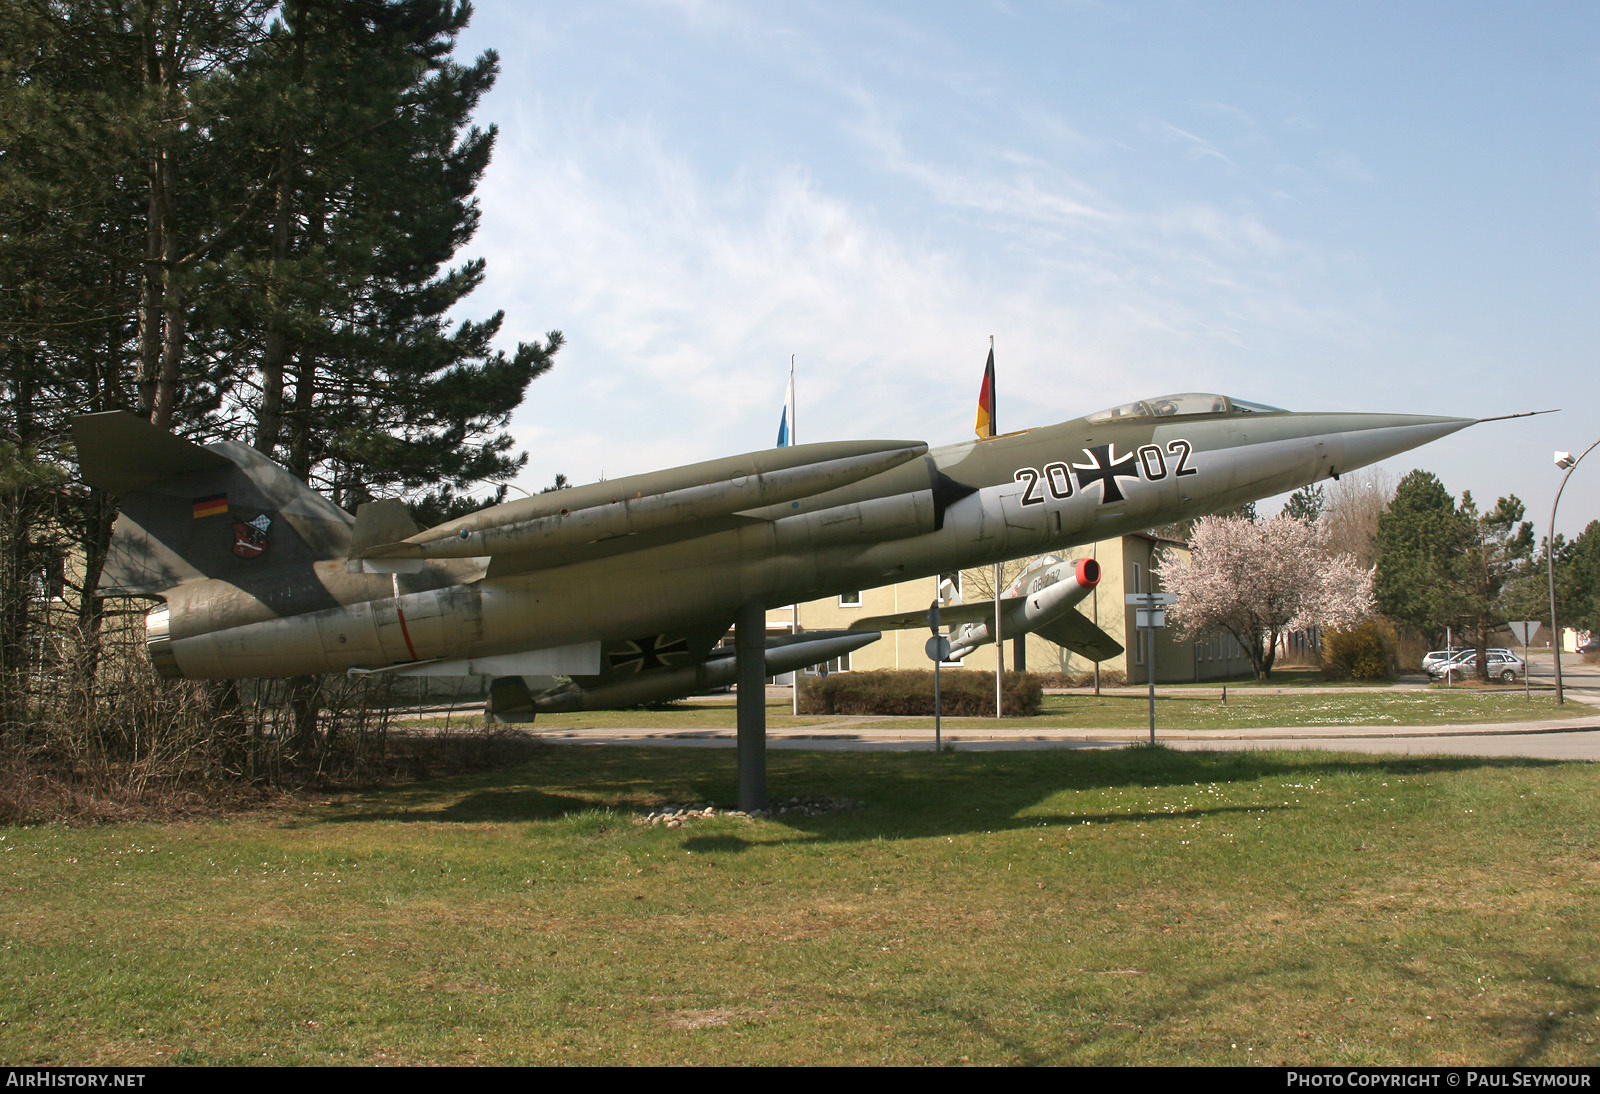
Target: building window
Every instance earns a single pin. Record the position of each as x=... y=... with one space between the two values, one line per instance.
x=850 y=600
x=837 y=664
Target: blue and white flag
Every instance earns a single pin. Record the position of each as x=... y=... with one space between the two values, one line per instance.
x=786 y=423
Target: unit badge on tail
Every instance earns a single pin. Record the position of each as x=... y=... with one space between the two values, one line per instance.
x=250 y=536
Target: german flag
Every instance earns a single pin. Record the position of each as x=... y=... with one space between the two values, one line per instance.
x=985 y=426
x=214 y=506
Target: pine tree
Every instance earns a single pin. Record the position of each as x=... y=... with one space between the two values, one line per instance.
x=1582 y=610
x=1305 y=504
x=68 y=127
x=360 y=385
x=1577 y=574
x=1440 y=565
x=1499 y=549
x=1421 y=539
x=226 y=213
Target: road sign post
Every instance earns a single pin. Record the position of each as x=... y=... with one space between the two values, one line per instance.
x=1148 y=615
x=1525 y=630
x=938 y=651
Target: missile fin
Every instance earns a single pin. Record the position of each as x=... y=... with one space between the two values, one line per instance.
x=1072 y=631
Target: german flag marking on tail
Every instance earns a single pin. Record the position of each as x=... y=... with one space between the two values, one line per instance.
x=214 y=506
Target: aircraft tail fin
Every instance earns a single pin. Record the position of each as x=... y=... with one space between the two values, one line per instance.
x=190 y=511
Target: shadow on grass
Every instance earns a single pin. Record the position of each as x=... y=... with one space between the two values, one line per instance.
x=489 y=805
x=1539 y=1030
x=907 y=795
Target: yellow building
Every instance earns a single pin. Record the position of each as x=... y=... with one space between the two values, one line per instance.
x=1127 y=565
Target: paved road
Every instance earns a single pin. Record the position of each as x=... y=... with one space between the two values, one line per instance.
x=1574 y=739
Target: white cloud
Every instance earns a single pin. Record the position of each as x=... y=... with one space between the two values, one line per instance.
x=683 y=294
x=1196 y=146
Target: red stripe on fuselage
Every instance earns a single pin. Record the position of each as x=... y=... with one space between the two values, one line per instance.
x=406 y=634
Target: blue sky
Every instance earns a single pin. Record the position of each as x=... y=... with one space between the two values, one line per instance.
x=1344 y=206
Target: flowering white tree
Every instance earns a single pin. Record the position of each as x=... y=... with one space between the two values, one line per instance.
x=1257 y=580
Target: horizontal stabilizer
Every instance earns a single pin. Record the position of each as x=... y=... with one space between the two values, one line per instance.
x=381 y=522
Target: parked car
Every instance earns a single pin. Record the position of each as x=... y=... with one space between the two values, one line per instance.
x=1435 y=658
x=1591 y=646
x=1433 y=663
x=1503 y=665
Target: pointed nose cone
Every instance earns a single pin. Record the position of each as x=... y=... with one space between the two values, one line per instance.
x=1374 y=437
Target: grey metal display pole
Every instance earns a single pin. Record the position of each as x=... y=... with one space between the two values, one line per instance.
x=1150 y=663
x=938 y=650
x=750 y=650
x=1525 y=630
x=1149 y=614
x=999 y=651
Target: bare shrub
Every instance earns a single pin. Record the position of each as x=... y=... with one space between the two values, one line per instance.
x=92 y=733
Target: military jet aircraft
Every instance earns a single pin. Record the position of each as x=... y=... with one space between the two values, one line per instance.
x=619 y=592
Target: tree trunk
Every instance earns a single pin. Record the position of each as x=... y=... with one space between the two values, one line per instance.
x=303 y=695
x=275 y=352
x=148 y=379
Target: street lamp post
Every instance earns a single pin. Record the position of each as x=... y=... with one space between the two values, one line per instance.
x=1565 y=461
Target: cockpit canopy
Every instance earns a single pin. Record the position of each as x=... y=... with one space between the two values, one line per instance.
x=1188 y=404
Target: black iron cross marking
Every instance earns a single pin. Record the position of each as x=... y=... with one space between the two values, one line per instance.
x=643 y=654
x=1105 y=470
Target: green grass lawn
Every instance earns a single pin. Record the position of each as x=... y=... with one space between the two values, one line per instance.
x=1137 y=906
x=1177 y=710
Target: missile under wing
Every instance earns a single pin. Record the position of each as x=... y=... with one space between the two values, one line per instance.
x=1043 y=604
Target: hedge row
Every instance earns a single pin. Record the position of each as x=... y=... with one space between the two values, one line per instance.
x=963 y=693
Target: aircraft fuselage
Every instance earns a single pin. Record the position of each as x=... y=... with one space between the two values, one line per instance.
x=955 y=507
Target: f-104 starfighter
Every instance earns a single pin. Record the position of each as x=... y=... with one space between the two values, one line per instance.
x=620 y=592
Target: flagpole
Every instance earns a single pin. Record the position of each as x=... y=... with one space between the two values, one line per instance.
x=794 y=609
x=999 y=639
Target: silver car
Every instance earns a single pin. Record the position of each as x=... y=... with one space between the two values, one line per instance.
x=1503 y=665
x=1436 y=659
x=1433 y=663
